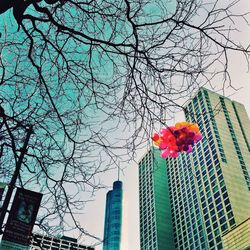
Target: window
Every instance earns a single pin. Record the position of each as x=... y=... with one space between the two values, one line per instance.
x=211 y=243
x=227 y=201
x=213 y=218
x=220 y=246
x=219 y=207
x=212 y=212
x=222 y=220
x=216 y=232
x=224 y=227
x=228 y=208
x=230 y=215
x=217 y=194
x=218 y=200
x=232 y=222
x=218 y=239
x=215 y=189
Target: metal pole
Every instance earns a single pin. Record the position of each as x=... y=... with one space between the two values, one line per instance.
x=12 y=183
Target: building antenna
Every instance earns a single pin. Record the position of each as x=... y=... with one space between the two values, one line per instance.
x=118 y=173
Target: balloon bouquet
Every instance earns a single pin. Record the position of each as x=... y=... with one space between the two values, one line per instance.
x=178 y=138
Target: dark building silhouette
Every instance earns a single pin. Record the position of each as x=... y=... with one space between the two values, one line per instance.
x=52 y=243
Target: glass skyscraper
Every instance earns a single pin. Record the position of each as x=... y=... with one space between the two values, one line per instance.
x=156 y=232
x=210 y=187
x=205 y=195
x=113 y=218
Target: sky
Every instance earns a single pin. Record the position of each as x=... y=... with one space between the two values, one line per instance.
x=93 y=216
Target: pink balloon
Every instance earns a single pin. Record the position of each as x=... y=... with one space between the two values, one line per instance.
x=197 y=137
x=189 y=149
x=173 y=154
x=165 y=153
x=163 y=145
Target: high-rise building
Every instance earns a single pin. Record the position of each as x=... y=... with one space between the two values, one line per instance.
x=42 y=242
x=113 y=218
x=210 y=187
x=156 y=232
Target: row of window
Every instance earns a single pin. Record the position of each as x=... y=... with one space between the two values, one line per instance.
x=50 y=243
x=241 y=127
x=215 y=129
x=236 y=144
x=147 y=213
x=183 y=196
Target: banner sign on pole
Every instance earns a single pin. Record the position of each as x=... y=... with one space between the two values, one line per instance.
x=22 y=217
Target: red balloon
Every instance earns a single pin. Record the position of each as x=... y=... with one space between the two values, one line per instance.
x=155 y=137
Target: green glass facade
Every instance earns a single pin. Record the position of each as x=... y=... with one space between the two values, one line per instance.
x=210 y=187
x=156 y=232
x=113 y=218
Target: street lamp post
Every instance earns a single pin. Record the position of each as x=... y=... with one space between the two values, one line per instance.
x=12 y=183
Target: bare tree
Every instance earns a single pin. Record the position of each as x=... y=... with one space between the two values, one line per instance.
x=93 y=77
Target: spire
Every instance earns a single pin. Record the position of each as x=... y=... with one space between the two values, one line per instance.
x=118 y=173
